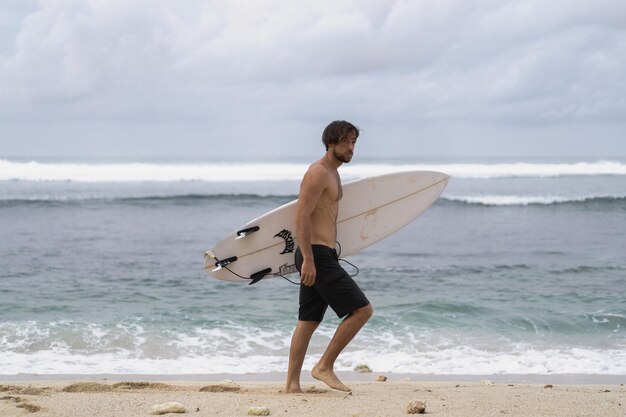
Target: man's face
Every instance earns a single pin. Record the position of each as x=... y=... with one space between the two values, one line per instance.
x=344 y=149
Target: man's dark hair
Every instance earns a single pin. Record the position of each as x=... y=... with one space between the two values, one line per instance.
x=337 y=130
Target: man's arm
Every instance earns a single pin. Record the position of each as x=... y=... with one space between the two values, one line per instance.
x=311 y=190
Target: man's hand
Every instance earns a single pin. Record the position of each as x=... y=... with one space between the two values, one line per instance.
x=307 y=273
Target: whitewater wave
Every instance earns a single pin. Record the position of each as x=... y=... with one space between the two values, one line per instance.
x=86 y=348
x=541 y=200
x=461 y=360
x=254 y=172
x=483 y=200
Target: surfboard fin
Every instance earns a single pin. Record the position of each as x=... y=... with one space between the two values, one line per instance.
x=246 y=232
x=221 y=264
x=258 y=276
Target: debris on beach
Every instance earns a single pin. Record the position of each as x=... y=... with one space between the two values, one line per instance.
x=11 y=398
x=87 y=387
x=228 y=387
x=362 y=368
x=31 y=408
x=381 y=378
x=127 y=385
x=487 y=382
x=165 y=408
x=22 y=403
x=416 y=407
x=548 y=386
x=258 y=411
x=29 y=390
x=117 y=387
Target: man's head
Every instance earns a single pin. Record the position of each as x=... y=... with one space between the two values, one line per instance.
x=337 y=130
x=339 y=137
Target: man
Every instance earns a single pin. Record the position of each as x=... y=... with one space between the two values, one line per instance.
x=323 y=281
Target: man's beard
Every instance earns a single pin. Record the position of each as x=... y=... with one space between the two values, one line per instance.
x=342 y=158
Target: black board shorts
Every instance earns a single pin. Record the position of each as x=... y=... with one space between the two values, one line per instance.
x=333 y=287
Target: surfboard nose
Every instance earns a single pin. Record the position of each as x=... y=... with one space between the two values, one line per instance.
x=441 y=176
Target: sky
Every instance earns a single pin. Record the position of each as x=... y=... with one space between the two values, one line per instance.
x=261 y=79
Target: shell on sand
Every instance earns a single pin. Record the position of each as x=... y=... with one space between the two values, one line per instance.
x=416 y=407
x=258 y=411
x=172 y=407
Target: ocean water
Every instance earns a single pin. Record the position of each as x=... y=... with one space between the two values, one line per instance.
x=518 y=268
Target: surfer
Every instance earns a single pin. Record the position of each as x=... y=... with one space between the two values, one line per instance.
x=323 y=281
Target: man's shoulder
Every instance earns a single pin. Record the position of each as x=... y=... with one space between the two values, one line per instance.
x=318 y=169
x=318 y=173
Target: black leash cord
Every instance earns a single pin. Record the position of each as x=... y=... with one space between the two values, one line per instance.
x=293 y=282
x=348 y=262
x=248 y=278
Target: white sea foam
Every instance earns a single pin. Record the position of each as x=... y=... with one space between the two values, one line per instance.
x=470 y=360
x=140 y=172
x=223 y=172
x=70 y=347
x=525 y=200
x=460 y=360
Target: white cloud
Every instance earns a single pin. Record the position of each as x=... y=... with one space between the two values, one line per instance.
x=410 y=62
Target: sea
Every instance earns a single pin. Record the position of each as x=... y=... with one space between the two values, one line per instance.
x=518 y=268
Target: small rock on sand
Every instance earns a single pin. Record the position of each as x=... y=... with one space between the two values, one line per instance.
x=165 y=408
x=548 y=386
x=416 y=407
x=362 y=368
x=258 y=411
x=381 y=378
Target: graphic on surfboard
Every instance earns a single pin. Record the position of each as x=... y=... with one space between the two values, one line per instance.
x=371 y=209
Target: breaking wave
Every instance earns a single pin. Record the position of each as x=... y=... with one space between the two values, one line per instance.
x=251 y=172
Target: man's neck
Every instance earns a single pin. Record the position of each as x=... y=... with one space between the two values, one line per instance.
x=331 y=160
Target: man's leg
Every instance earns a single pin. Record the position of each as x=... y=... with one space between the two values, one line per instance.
x=299 y=344
x=346 y=331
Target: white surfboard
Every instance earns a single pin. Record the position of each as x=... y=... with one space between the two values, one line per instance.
x=371 y=209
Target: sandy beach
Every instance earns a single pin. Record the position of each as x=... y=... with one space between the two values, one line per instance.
x=129 y=397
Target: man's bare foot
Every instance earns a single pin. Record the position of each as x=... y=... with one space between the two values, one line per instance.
x=328 y=377
x=293 y=390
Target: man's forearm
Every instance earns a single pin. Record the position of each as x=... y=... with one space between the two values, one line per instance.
x=303 y=234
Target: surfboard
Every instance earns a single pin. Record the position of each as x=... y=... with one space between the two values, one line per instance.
x=371 y=209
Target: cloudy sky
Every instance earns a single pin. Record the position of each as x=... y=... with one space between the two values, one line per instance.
x=230 y=78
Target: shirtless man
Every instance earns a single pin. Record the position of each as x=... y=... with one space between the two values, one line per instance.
x=323 y=281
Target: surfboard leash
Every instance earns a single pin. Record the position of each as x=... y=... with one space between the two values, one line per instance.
x=254 y=279
x=348 y=262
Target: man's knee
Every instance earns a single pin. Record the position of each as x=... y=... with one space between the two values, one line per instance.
x=364 y=312
x=308 y=325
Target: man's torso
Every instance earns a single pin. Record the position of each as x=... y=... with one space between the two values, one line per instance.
x=324 y=216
